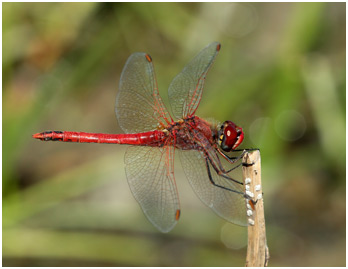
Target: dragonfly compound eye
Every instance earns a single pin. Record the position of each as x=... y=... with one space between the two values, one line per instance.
x=230 y=136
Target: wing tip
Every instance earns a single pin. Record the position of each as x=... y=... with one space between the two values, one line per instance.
x=218 y=46
x=148 y=58
x=177 y=214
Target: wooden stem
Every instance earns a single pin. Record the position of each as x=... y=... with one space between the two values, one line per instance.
x=257 y=252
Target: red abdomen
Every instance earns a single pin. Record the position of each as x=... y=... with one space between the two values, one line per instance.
x=153 y=138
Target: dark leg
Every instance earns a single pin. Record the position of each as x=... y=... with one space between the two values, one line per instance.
x=235 y=159
x=220 y=171
x=217 y=185
x=245 y=149
x=227 y=177
x=232 y=159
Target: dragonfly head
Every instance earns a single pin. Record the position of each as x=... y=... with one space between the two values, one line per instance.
x=230 y=136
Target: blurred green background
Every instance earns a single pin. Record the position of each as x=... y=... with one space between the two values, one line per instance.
x=280 y=75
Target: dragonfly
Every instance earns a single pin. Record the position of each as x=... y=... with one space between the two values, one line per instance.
x=155 y=135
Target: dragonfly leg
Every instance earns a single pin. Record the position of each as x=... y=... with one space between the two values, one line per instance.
x=235 y=159
x=246 y=149
x=223 y=187
x=220 y=173
x=231 y=160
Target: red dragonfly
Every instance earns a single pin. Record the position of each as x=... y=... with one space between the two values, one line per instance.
x=156 y=135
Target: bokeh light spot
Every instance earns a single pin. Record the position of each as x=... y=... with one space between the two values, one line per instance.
x=233 y=236
x=238 y=19
x=290 y=125
x=258 y=130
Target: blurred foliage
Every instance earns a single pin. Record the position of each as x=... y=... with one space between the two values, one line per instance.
x=280 y=74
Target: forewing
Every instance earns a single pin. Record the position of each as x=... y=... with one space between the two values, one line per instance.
x=139 y=107
x=227 y=204
x=185 y=91
x=150 y=175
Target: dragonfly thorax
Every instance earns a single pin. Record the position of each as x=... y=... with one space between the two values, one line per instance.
x=185 y=133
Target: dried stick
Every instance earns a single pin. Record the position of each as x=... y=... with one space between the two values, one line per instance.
x=257 y=252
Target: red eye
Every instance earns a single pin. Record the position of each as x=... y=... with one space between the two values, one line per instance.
x=231 y=136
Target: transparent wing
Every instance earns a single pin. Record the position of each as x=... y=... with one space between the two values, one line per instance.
x=150 y=175
x=139 y=107
x=227 y=204
x=185 y=91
